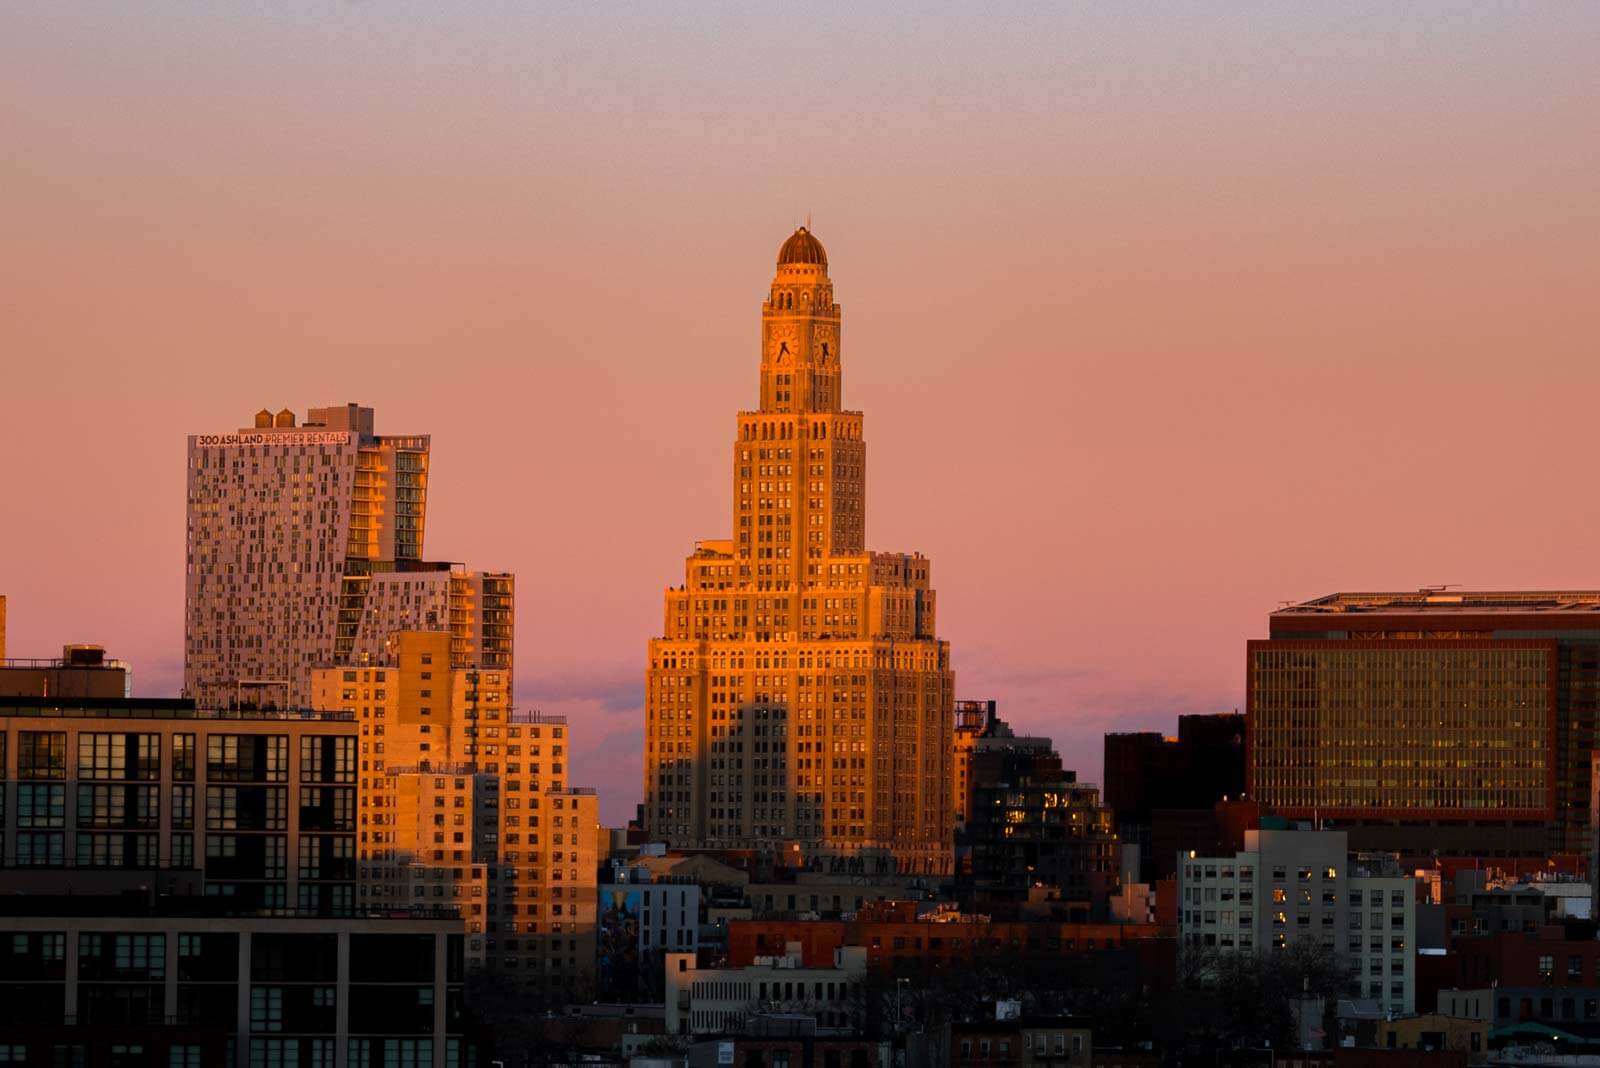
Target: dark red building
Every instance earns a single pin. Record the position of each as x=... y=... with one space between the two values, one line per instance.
x=1164 y=790
x=1435 y=721
x=897 y=940
x=1548 y=976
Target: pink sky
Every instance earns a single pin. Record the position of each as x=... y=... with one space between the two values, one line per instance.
x=1159 y=317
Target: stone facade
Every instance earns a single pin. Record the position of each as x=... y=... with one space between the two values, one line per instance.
x=798 y=699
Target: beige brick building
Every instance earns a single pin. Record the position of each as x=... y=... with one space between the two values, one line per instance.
x=798 y=698
x=466 y=803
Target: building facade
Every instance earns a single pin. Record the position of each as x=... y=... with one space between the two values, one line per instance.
x=305 y=549
x=1594 y=834
x=466 y=803
x=81 y=671
x=255 y=807
x=901 y=941
x=824 y=894
x=709 y=1001
x=246 y=991
x=641 y=920
x=779 y=1042
x=1022 y=1042
x=978 y=728
x=1547 y=976
x=1034 y=826
x=1437 y=721
x=798 y=698
x=1164 y=790
x=294 y=811
x=974 y=720
x=1302 y=887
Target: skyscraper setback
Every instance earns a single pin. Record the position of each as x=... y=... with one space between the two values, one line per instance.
x=305 y=549
x=798 y=697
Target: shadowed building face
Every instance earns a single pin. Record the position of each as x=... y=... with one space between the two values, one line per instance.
x=798 y=698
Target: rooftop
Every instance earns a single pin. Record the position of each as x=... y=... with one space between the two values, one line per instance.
x=150 y=708
x=84 y=657
x=146 y=903
x=1438 y=599
x=802 y=247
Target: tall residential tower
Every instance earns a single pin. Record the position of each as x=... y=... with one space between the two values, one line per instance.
x=305 y=549
x=798 y=698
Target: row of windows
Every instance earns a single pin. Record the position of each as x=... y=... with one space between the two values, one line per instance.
x=43 y=806
x=137 y=756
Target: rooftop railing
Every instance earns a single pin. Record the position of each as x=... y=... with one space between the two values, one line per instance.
x=533 y=715
x=34 y=663
x=427 y=767
x=148 y=708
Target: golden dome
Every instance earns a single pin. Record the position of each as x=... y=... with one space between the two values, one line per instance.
x=802 y=247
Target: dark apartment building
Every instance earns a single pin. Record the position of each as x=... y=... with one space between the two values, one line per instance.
x=1548 y=975
x=978 y=727
x=1164 y=790
x=186 y=982
x=1437 y=721
x=110 y=794
x=1021 y=1042
x=80 y=671
x=1034 y=827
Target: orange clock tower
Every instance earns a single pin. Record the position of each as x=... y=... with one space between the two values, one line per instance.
x=798 y=699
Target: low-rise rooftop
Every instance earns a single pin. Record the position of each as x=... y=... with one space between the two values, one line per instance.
x=151 y=708
x=1431 y=599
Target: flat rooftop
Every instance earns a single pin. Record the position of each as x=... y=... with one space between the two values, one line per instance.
x=144 y=903
x=150 y=708
x=1444 y=601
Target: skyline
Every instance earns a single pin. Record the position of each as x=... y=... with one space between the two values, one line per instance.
x=1177 y=350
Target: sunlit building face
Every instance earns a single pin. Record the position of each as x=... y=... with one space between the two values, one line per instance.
x=305 y=550
x=1451 y=720
x=798 y=697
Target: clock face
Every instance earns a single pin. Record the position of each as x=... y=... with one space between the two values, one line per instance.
x=782 y=342
x=827 y=342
